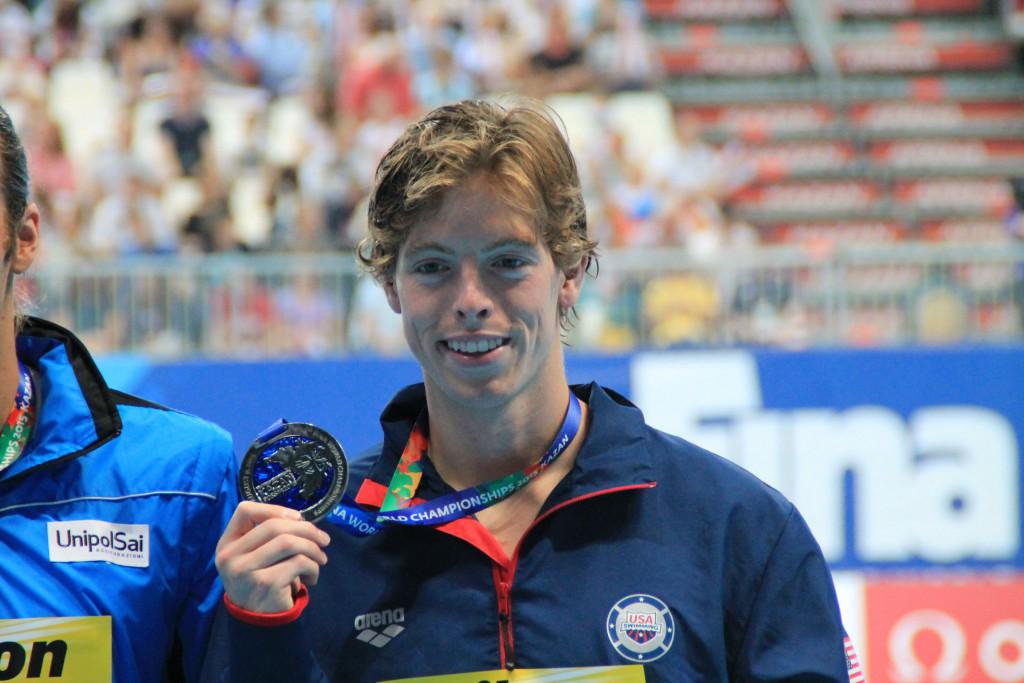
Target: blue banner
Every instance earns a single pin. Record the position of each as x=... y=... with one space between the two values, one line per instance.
x=899 y=459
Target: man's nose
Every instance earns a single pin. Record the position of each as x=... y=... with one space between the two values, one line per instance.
x=472 y=301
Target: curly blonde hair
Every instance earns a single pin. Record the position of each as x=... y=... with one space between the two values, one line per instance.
x=519 y=146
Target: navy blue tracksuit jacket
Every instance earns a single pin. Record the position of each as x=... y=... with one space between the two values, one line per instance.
x=653 y=558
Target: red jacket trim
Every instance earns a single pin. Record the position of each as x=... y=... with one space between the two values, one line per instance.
x=270 y=618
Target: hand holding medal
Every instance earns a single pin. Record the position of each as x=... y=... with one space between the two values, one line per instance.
x=292 y=475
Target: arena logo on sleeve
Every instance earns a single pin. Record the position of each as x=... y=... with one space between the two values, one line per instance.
x=92 y=540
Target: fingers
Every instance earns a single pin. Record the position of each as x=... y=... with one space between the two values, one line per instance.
x=248 y=514
x=274 y=541
x=265 y=551
x=275 y=527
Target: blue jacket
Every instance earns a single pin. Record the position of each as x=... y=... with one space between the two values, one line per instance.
x=650 y=553
x=108 y=523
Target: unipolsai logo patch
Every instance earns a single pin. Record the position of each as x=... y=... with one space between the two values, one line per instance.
x=93 y=540
x=641 y=628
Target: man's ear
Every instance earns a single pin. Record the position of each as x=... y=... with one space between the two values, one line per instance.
x=391 y=292
x=26 y=240
x=572 y=284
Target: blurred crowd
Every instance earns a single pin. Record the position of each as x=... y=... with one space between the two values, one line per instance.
x=180 y=126
x=243 y=126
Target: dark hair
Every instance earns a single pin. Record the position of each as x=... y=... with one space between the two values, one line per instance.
x=14 y=181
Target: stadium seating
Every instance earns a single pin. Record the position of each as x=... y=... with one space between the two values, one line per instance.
x=922 y=124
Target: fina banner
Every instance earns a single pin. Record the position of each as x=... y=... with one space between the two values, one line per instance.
x=897 y=459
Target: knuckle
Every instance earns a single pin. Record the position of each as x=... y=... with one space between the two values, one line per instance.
x=289 y=545
x=246 y=508
x=262 y=583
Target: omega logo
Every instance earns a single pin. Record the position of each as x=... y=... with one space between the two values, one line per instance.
x=1000 y=650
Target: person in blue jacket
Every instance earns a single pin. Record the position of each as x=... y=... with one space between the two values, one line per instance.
x=511 y=527
x=110 y=506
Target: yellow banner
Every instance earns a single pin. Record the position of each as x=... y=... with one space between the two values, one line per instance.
x=56 y=649
x=633 y=673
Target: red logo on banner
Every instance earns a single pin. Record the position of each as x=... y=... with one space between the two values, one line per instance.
x=946 y=631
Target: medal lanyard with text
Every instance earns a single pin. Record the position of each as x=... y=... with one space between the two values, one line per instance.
x=18 y=427
x=397 y=506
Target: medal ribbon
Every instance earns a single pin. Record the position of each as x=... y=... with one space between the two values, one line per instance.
x=397 y=507
x=18 y=427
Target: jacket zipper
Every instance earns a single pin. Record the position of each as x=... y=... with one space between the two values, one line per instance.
x=503 y=577
x=503 y=582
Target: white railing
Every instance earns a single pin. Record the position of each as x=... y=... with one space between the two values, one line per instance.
x=281 y=305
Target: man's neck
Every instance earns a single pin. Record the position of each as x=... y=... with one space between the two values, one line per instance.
x=9 y=374
x=473 y=446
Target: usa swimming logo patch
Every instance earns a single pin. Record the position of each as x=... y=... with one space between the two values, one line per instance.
x=641 y=628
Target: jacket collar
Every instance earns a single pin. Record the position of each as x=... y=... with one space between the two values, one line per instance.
x=613 y=454
x=77 y=412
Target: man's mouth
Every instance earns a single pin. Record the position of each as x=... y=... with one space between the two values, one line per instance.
x=475 y=347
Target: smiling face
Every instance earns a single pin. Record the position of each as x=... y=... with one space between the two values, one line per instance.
x=480 y=295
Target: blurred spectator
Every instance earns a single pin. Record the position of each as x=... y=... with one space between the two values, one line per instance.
x=129 y=220
x=692 y=166
x=374 y=327
x=559 y=64
x=63 y=35
x=49 y=166
x=696 y=222
x=940 y=313
x=63 y=216
x=307 y=316
x=620 y=54
x=22 y=78
x=487 y=49
x=111 y=162
x=638 y=208
x=374 y=135
x=242 y=317
x=16 y=29
x=285 y=205
x=147 y=47
x=281 y=49
x=327 y=176
x=208 y=229
x=441 y=82
x=680 y=309
x=186 y=131
x=218 y=51
x=378 y=79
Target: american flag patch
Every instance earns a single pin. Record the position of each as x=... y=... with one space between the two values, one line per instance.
x=852 y=663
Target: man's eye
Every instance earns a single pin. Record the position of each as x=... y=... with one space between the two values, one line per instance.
x=429 y=268
x=511 y=262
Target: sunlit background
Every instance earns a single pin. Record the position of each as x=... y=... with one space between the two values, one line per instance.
x=810 y=227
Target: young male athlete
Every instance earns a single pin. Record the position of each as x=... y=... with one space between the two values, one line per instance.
x=511 y=527
x=110 y=507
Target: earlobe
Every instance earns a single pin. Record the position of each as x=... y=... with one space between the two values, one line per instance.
x=572 y=283
x=26 y=240
x=391 y=292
